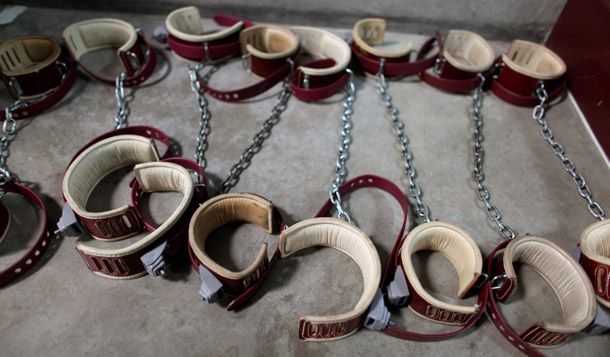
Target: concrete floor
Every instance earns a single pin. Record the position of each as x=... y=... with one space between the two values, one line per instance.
x=61 y=308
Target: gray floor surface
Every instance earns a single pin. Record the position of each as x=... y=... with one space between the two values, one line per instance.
x=61 y=308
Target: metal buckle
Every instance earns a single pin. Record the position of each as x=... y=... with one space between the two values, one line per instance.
x=15 y=88
x=398 y=290
x=497 y=282
x=498 y=67
x=439 y=64
x=246 y=61
x=206 y=48
x=134 y=62
x=306 y=81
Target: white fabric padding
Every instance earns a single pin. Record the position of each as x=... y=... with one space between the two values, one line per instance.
x=185 y=24
x=223 y=209
x=268 y=42
x=563 y=274
x=534 y=60
x=99 y=160
x=453 y=243
x=467 y=51
x=595 y=244
x=157 y=177
x=368 y=32
x=90 y=35
x=323 y=44
x=338 y=234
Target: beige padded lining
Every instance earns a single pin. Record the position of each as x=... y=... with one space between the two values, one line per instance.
x=595 y=244
x=185 y=24
x=457 y=246
x=268 y=42
x=154 y=177
x=534 y=60
x=323 y=44
x=27 y=54
x=565 y=276
x=93 y=164
x=467 y=51
x=338 y=234
x=223 y=209
x=368 y=32
x=91 y=35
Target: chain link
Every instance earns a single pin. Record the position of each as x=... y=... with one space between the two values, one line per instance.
x=479 y=155
x=204 y=119
x=583 y=189
x=9 y=130
x=260 y=137
x=414 y=189
x=343 y=155
x=123 y=101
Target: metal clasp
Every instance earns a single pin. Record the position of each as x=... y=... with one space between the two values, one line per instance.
x=246 y=61
x=154 y=262
x=211 y=288
x=497 y=282
x=439 y=64
x=306 y=81
x=68 y=225
x=15 y=88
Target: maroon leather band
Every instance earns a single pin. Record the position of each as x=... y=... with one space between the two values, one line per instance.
x=313 y=331
x=222 y=48
x=396 y=66
x=126 y=224
x=450 y=78
x=146 y=57
x=496 y=317
x=320 y=87
x=242 y=290
x=308 y=331
x=279 y=70
x=131 y=264
x=202 y=195
x=47 y=101
x=518 y=89
x=145 y=131
x=599 y=274
x=5 y=220
x=41 y=245
x=383 y=184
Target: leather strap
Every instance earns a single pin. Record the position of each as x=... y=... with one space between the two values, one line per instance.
x=595 y=259
x=461 y=250
x=128 y=262
x=522 y=67
x=563 y=274
x=325 y=76
x=41 y=245
x=37 y=71
x=334 y=327
x=89 y=167
x=144 y=131
x=267 y=52
x=189 y=42
x=369 y=32
x=5 y=221
x=134 y=52
x=227 y=208
x=463 y=56
x=338 y=234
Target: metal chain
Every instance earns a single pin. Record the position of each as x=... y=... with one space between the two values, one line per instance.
x=204 y=119
x=260 y=137
x=123 y=101
x=9 y=130
x=479 y=154
x=583 y=189
x=414 y=189
x=343 y=155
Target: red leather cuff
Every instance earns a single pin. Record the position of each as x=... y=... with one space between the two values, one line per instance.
x=319 y=87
